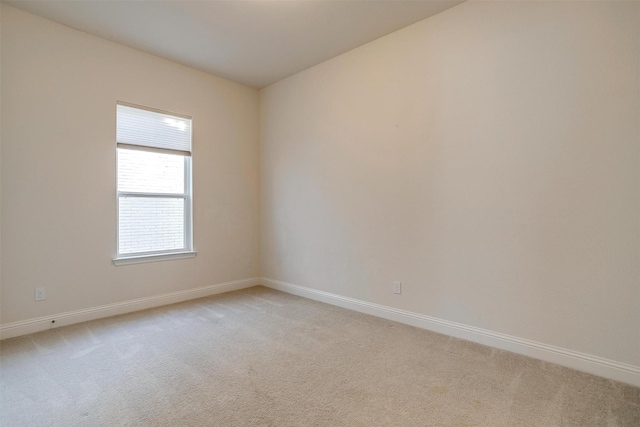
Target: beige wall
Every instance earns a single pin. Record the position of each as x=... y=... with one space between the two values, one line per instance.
x=59 y=93
x=487 y=157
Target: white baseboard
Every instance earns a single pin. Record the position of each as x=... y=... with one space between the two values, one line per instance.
x=29 y=326
x=572 y=359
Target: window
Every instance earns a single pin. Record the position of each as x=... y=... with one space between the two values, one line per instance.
x=153 y=185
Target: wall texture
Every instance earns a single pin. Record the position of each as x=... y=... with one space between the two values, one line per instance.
x=59 y=93
x=487 y=157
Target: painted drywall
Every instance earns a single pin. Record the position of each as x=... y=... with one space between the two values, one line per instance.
x=59 y=92
x=487 y=157
x=0 y=163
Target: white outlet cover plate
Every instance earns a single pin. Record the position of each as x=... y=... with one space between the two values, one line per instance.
x=397 y=287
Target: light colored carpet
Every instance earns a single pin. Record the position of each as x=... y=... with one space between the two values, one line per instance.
x=259 y=357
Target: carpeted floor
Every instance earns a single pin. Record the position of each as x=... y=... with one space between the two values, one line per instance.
x=259 y=357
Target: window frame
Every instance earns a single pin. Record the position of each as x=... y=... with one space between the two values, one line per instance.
x=187 y=195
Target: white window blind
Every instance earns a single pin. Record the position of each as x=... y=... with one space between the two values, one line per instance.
x=154 y=184
x=147 y=128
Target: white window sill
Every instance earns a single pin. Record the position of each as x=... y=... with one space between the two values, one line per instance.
x=139 y=259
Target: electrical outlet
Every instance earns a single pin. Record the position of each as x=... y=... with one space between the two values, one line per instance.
x=397 y=287
x=41 y=294
x=249 y=262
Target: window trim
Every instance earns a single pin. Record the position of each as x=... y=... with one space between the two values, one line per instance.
x=141 y=259
x=188 y=250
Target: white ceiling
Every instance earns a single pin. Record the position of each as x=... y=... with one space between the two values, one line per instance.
x=252 y=42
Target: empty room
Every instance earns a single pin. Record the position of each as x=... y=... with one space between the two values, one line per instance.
x=319 y=213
